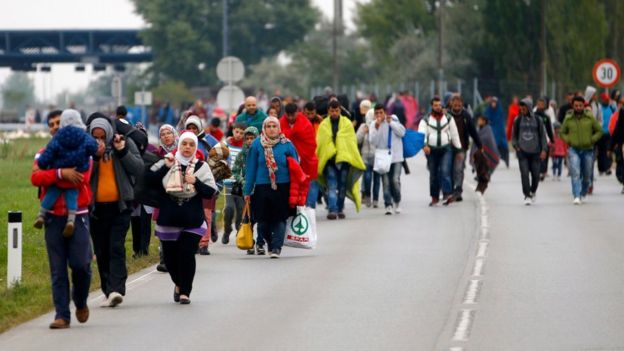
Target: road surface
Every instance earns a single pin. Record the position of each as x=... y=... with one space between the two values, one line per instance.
x=485 y=274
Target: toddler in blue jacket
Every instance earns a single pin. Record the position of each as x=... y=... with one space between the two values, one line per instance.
x=71 y=147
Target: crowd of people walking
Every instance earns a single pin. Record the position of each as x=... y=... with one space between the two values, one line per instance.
x=100 y=177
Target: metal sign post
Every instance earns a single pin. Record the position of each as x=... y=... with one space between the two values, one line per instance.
x=14 y=246
x=230 y=70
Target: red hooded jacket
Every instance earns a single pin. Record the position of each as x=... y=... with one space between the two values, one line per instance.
x=46 y=178
x=512 y=112
x=303 y=136
x=299 y=184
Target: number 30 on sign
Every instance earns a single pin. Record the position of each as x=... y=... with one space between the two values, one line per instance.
x=606 y=73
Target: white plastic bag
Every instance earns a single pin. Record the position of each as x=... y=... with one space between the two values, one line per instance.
x=301 y=229
x=383 y=161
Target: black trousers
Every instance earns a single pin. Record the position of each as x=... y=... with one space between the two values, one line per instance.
x=180 y=260
x=108 y=232
x=141 y=232
x=529 y=165
x=604 y=162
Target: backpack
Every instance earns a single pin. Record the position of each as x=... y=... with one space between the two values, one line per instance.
x=137 y=135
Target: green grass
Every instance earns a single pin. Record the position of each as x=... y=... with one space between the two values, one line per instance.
x=33 y=296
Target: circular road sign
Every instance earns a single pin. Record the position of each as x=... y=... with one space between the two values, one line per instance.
x=230 y=97
x=606 y=73
x=230 y=69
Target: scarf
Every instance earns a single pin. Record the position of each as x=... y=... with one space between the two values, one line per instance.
x=175 y=184
x=267 y=144
x=169 y=148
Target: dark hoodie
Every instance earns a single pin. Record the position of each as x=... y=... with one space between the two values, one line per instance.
x=529 y=135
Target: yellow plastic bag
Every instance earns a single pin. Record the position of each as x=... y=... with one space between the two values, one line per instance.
x=244 y=237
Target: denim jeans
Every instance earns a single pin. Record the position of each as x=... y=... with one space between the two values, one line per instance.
x=336 y=176
x=392 y=184
x=312 y=194
x=459 y=165
x=52 y=194
x=529 y=166
x=74 y=252
x=374 y=178
x=273 y=233
x=581 y=167
x=557 y=166
x=440 y=162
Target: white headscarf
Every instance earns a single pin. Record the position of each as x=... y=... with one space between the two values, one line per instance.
x=185 y=160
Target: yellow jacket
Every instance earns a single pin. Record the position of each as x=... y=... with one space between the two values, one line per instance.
x=345 y=150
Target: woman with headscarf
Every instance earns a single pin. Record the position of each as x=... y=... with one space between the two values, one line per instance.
x=168 y=140
x=267 y=183
x=117 y=165
x=181 y=223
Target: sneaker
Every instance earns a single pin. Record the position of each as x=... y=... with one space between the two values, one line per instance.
x=332 y=216
x=39 y=224
x=162 y=268
x=388 y=210
x=82 y=314
x=366 y=200
x=68 y=231
x=341 y=215
x=203 y=251
x=375 y=204
x=225 y=239
x=251 y=252
x=434 y=201
x=275 y=254
x=260 y=251
x=527 y=201
x=59 y=324
x=448 y=200
x=113 y=300
x=577 y=200
x=397 y=209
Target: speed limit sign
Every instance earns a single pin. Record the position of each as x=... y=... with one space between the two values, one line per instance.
x=606 y=73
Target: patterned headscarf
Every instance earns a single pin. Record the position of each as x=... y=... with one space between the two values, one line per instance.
x=168 y=148
x=267 y=144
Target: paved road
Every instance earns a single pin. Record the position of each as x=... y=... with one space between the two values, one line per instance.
x=487 y=274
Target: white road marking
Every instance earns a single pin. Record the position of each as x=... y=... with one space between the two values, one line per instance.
x=477 y=270
x=472 y=292
x=483 y=247
x=464 y=324
x=131 y=285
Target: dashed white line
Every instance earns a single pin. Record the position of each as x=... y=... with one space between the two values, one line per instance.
x=464 y=324
x=483 y=247
x=472 y=292
x=477 y=270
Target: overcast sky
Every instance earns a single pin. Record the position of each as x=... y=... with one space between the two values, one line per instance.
x=89 y=14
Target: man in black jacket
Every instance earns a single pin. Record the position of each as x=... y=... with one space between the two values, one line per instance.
x=466 y=129
x=617 y=141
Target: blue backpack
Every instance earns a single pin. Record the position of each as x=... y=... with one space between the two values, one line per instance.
x=413 y=142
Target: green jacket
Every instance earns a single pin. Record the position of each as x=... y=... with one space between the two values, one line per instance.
x=581 y=133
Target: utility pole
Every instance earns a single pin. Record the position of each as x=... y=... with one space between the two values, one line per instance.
x=440 y=41
x=225 y=28
x=543 y=53
x=337 y=30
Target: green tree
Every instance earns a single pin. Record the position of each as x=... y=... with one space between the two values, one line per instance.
x=185 y=33
x=18 y=91
x=174 y=92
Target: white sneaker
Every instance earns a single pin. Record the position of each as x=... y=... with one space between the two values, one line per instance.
x=577 y=200
x=388 y=210
x=397 y=209
x=113 y=300
x=527 y=201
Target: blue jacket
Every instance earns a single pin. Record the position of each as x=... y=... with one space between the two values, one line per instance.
x=256 y=171
x=70 y=147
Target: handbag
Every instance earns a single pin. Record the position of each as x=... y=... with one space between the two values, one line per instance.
x=244 y=236
x=383 y=157
x=301 y=229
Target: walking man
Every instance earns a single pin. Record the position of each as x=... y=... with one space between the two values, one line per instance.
x=466 y=130
x=386 y=133
x=581 y=131
x=440 y=137
x=529 y=140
